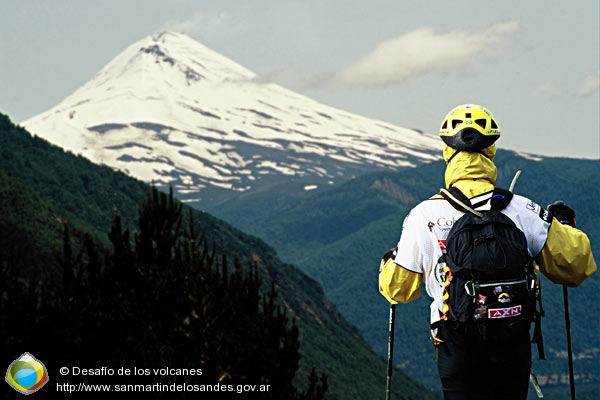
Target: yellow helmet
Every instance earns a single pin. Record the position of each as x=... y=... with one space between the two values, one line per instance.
x=469 y=127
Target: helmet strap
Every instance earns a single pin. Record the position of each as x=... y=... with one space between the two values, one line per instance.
x=458 y=151
x=452 y=156
x=483 y=154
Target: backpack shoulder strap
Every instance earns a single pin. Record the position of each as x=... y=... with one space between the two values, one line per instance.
x=500 y=198
x=458 y=200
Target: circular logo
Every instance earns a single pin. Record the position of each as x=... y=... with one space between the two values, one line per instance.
x=26 y=374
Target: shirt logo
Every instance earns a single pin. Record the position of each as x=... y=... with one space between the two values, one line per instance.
x=544 y=215
x=442 y=223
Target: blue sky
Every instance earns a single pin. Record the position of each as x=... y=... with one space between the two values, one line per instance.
x=534 y=64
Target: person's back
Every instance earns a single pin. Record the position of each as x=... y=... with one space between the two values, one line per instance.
x=472 y=366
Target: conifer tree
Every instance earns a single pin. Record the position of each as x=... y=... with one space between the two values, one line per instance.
x=159 y=299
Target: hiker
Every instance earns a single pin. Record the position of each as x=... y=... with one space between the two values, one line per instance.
x=474 y=360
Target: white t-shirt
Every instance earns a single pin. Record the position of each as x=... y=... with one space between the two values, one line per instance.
x=425 y=229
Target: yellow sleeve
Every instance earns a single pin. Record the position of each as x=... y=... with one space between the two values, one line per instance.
x=397 y=284
x=566 y=257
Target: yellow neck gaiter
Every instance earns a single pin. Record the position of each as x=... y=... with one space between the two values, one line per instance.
x=472 y=173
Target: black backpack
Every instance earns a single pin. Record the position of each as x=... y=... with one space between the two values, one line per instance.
x=491 y=280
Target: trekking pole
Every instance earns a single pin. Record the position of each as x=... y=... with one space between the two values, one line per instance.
x=392 y=322
x=569 y=349
x=536 y=385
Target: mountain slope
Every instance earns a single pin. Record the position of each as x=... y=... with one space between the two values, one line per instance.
x=171 y=111
x=64 y=186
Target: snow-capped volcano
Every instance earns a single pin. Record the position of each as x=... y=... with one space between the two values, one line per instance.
x=171 y=111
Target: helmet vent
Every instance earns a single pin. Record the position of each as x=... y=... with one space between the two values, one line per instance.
x=445 y=124
x=467 y=115
x=480 y=122
x=494 y=126
x=456 y=122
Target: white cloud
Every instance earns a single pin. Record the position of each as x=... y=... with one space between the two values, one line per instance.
x=423 y=51
x=589 y=86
